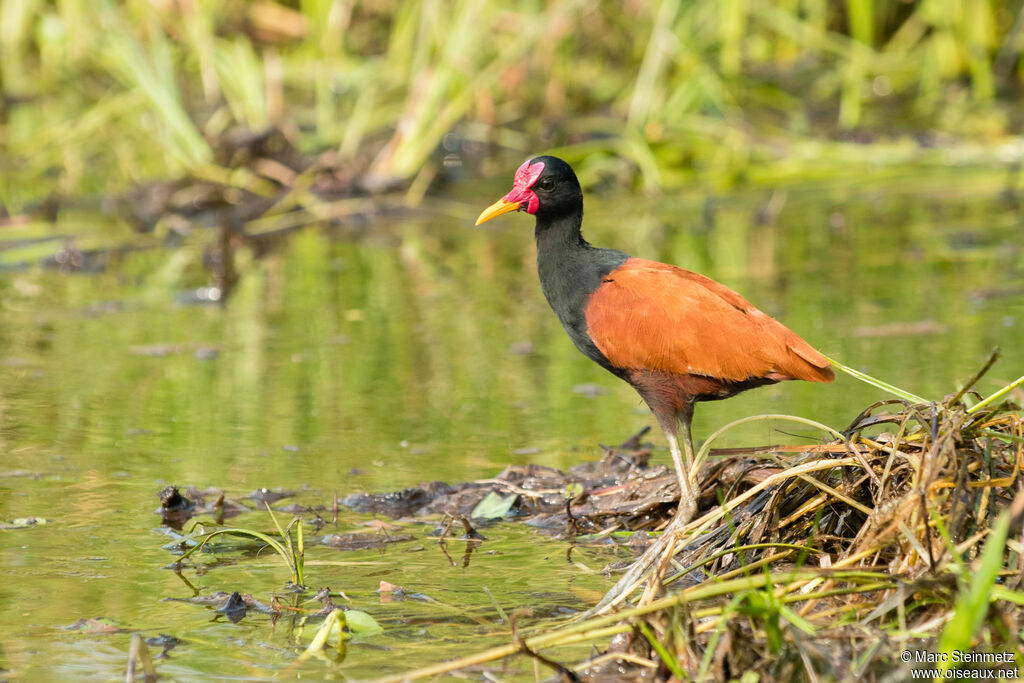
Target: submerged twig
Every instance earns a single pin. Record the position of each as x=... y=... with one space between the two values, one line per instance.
x=993 y=357
x=138 y=653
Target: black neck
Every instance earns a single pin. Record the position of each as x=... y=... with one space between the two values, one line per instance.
x=566 y=272
x=559 y=234
x=570 y=270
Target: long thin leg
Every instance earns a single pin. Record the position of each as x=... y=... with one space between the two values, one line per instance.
x=684 y=463
x=687 y=499
x=687 y=508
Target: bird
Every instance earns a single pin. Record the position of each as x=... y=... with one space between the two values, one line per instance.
x=677 y=337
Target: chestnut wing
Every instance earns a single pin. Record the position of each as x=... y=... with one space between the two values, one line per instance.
x=647 y=315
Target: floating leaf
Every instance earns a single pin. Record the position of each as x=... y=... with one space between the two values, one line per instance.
x=362 y=624
x=494 y=506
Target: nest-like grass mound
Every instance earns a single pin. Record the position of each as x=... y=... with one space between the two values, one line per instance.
x=834 y=562
x=895 y=546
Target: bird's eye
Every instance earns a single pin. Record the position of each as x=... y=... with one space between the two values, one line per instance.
x=546 y=184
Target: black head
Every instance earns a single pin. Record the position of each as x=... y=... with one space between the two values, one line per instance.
x=545 y=186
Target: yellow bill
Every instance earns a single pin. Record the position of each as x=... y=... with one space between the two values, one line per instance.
x=496 y=209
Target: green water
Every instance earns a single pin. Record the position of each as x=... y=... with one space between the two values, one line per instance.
x=415 y=349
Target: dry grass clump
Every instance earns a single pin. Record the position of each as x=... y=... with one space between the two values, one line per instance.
x=853 y=552
x=828 y=562
x=833 y=559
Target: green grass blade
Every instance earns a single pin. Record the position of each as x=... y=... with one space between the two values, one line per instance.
x=999 y=435
x=667 y=657
x=998 y=395
x=290 y=555
x=884 y=386
x=278 y=548
x=300 y=553
x=705 y=663
x=1000 y=592
x=972 y=603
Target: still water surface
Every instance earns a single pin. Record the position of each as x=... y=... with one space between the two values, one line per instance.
x=416 y=349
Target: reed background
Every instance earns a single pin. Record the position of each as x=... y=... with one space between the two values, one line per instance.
x=99 y=95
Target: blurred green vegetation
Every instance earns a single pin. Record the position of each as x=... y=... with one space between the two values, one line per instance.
x=96 y=95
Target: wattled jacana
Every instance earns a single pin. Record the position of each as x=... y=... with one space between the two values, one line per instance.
x=677 y=337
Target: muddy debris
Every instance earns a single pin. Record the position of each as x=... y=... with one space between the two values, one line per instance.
x=364 y=540
x=96 y=625
x=233 y=605
x=397 y=504
x=165 y=642
x=234 y=609
x=176 y=507
x=619 y=490
x=265 y=495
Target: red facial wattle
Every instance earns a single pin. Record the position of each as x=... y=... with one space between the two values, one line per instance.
x=521 y=198
x=524 y=179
